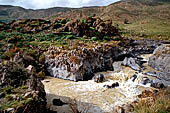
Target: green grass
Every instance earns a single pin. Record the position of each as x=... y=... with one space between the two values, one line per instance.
x=148 y=28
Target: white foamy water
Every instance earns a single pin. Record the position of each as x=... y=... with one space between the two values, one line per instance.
x=93 y=97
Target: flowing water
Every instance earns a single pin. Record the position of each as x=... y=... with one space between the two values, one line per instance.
x=92 y=97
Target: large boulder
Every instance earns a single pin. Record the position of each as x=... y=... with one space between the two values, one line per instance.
x=21 y=91
x=160 y=60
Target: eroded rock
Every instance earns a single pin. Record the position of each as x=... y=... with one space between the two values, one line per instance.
x=24 y=91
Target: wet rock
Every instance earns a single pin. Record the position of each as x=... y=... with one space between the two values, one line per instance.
x=146 y=81
x=134 y=63
x=134 y=77
x=161 y=77
x=81 y=63
x=99 y=78
x=157 y=84
x=114 y=85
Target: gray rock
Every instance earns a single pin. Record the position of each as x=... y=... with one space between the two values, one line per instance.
x=161 y=58
x=133 y=63
x=117 y=66
x=75 y=67
x=161 y=78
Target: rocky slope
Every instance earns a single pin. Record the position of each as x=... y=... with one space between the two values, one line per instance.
x=20 y=90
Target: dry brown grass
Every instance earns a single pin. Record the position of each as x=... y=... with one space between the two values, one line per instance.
x=157 y=104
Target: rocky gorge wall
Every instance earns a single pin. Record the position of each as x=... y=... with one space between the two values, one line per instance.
x=81 y=63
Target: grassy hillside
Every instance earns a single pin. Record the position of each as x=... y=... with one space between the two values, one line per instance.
x=136 y=18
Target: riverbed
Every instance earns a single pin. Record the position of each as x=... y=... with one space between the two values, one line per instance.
x=91 y=97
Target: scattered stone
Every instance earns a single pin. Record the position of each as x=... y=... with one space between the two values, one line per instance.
x=134 y=77
x=160 y=77
x=158 y=85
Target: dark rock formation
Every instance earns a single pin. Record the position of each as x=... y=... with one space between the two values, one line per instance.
x=88 y=27
x=146 y=81
x=21 y=91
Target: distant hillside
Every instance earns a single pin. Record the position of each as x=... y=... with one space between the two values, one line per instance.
x=8 y=13
x=145 y=17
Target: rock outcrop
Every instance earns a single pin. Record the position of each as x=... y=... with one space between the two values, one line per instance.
x=82 y=62
x=160 y=60
x=21 y=91
x=88 y=27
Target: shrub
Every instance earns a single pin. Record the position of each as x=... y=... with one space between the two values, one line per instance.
x=42 y=58
x=94 y=38
x=70 y=37
x=19 y=29
x=2 y=35
x=106 y=38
